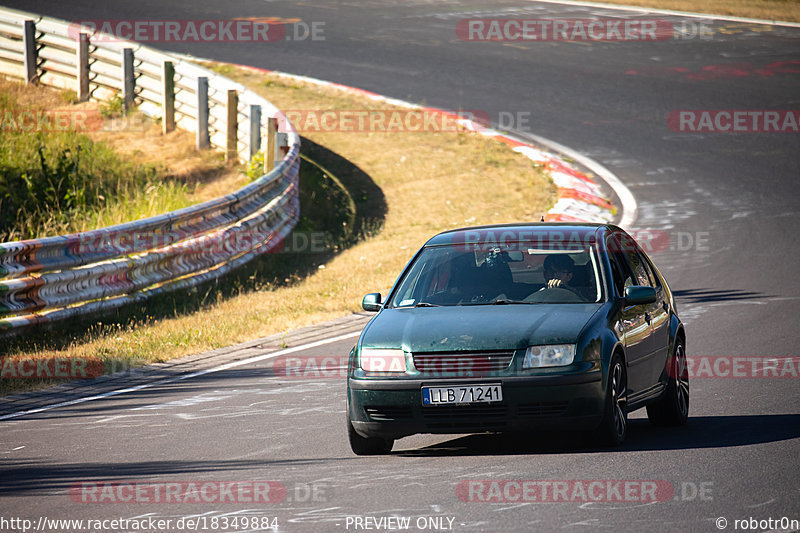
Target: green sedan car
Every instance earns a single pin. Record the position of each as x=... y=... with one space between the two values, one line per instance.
x=521 y=327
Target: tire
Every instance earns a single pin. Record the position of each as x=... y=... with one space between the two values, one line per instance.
x=614 y=426
x=672 y=409
x=367 y=445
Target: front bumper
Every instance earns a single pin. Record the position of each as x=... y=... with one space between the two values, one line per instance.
x=392 y=408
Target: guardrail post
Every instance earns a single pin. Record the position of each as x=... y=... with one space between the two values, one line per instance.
x=82 y=88
x=232 y=126
x=282 y=146
x=128 y=83
x=168 y=98
x=203 y=140
x=269 y=153
x=31 y=54
x=255 y=130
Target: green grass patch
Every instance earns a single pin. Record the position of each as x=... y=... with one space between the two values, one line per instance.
x=54 y=182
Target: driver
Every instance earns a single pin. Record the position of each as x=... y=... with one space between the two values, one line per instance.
x=558 y=271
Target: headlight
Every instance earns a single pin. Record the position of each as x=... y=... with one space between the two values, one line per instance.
x=549 y=355
x=382 y=360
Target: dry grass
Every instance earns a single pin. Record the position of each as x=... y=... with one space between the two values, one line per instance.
x=430 y=182
x=784 y=10
x=176 y=157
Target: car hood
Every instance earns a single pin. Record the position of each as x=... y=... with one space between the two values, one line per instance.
x=485 y=327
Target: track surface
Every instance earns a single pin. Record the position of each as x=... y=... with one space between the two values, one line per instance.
x=729 y=203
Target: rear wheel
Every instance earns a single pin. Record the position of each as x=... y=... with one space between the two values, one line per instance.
x=672 y=409
x=614 y=427
x=367 y=445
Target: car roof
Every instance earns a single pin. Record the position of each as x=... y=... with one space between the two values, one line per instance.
x=522 y=232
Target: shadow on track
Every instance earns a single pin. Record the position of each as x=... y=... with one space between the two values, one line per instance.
x=155 y=393
x=20 y=477
x=700 y=432
x=696 y=296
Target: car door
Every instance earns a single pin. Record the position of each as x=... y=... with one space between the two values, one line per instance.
x=632 y=326
x=659 y=319
x=655 y=315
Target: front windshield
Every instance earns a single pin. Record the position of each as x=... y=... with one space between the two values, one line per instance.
x=454 y=275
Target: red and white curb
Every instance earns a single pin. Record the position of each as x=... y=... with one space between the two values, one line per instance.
x=580 y=198
x=673 y=13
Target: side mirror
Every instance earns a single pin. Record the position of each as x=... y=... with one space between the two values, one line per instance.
x=640 y=295
x=372 y=302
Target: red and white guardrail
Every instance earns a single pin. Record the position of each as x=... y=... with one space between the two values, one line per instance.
x=54 y=278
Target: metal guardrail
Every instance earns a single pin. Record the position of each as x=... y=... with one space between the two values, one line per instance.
x=53 y=278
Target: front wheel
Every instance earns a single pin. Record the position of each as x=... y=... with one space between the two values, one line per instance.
x=672 y=409
x=367 y=445
x=614 y=427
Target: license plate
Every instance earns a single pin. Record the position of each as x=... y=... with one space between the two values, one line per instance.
x=454 y=394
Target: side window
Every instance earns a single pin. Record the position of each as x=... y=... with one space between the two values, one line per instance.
x=638 y=265
x=619 y=267
x=654 y=282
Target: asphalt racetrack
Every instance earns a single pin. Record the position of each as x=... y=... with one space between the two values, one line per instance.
x=727 y=205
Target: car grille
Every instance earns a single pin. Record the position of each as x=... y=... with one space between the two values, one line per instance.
x=543 y=409
x=388 y=412
x=472 y=418
x=462 y=363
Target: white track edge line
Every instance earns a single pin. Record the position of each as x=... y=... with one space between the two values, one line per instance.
x=219 y=368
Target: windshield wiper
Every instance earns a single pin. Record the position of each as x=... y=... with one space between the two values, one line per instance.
x=501 y=301
x=426 y=304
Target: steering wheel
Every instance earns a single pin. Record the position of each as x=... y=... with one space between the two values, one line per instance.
x=553 y=294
